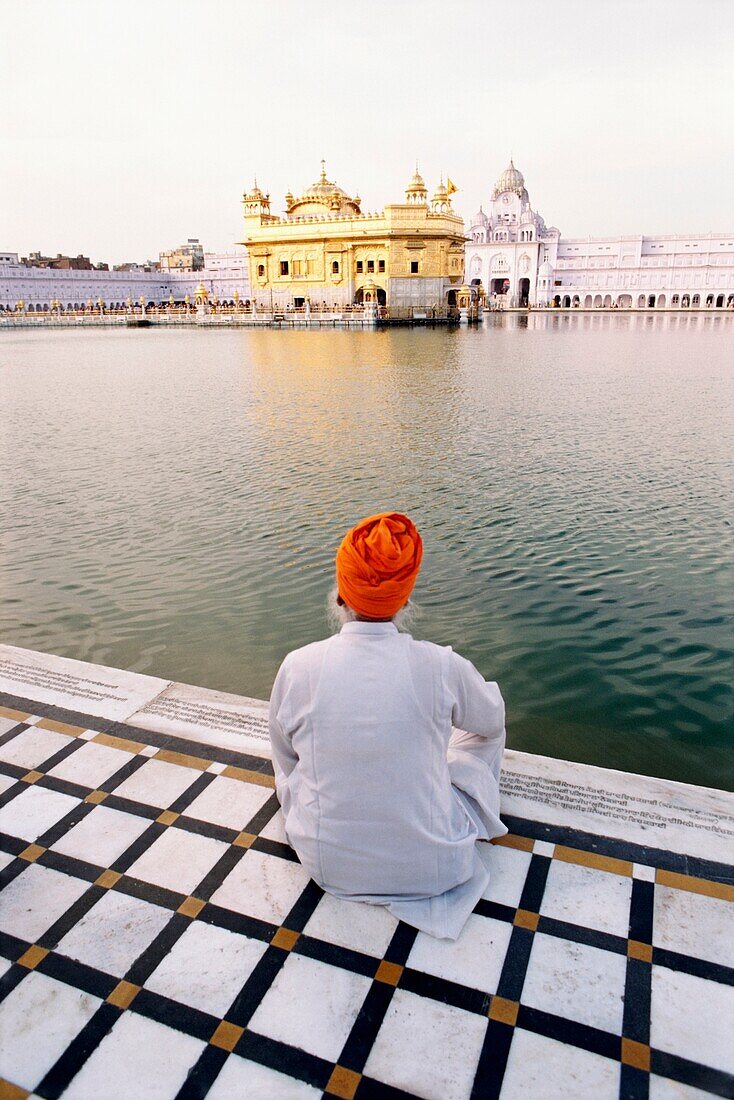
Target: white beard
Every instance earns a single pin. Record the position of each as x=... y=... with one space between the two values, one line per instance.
x=338 y=614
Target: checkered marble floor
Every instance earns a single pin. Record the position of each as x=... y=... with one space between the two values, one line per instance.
x=158 y=938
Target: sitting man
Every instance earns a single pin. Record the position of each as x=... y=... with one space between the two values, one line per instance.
x=382 y=801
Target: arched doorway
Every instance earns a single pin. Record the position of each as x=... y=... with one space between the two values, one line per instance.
x=696 y=301
x=607 y=301
x=651 y=301
x=641 y=302
x=624 y=301
x=685 y=301
x=379 y=294
x=587 y=301
x=661 y=301
x=523 y=290
x=451 y=298
x=597 y=301
x=720 y=301
x=567 y=302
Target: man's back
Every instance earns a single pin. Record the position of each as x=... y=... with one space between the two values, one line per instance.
x=360 y=726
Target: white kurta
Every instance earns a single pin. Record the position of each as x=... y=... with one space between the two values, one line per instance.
x=382 y=802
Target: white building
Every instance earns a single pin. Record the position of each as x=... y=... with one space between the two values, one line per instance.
x=520 y=261
x=222 y=275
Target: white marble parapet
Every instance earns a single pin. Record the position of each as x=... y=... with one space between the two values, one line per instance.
x=638 y=809
x=76 y=685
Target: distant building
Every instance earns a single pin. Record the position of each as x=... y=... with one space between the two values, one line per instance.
x=325 y=249
x=147 y=265
x=520 y=261
x=188 y=257
x=225 y=276
x=61 y=263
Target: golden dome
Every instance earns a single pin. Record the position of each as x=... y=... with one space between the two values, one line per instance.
x=417 y=183
x=255 y=194
x=324 y=194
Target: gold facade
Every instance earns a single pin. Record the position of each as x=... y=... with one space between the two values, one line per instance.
x=325 y=252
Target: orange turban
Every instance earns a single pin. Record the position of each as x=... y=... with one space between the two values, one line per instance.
x=377 y=564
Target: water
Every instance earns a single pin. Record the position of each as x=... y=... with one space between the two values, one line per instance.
x=172 y=500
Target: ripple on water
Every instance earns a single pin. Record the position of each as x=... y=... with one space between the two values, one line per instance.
x=176 y=507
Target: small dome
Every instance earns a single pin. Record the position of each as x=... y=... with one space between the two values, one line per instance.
x=528 y=216
x=545 y=270
x=440 y=194
x=255 y=194
x=417 y=183
x=511 y=179
x=480 y=218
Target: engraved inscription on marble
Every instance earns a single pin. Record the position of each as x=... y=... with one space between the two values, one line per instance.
x=215 y=718
x=47 y=678
x=613 y=805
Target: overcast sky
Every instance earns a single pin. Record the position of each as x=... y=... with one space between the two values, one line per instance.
x=127 y=128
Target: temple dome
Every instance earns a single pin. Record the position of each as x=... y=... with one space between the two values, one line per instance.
x=511 y=179
x=417 y=183
x=480 y=218
x=322 y=195
x=545 y=270
x=254 y=194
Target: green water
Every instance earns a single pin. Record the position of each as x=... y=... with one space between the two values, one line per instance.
x=171 y=502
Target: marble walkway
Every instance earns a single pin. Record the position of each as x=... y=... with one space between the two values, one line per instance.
x=159 y=939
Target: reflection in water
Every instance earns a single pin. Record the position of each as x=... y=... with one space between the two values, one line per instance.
x=174 y=501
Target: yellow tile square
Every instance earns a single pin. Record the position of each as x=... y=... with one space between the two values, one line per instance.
x=636 y=1054
x=227 y=1035
x=245 y=776
x=695 y=885
x=285 y=938
x=9 y=1091
x=182 y=759
x=32 y=957
x=60 y=727
x=343 y=1083
x=118 y=743
x=167 y=817
x=504 y=1011
x=108 y=879
x=95 y=797
x=592 y=859
x=525 y=919
x=389 y=973
x=244 y=840
x=14 y=716
x=32 y=852
x=191 y=907
x=123 y=994
x=638 y=950
x=32 y=777
x=509 y=840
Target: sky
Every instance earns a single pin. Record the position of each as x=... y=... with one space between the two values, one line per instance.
x=126 y=129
